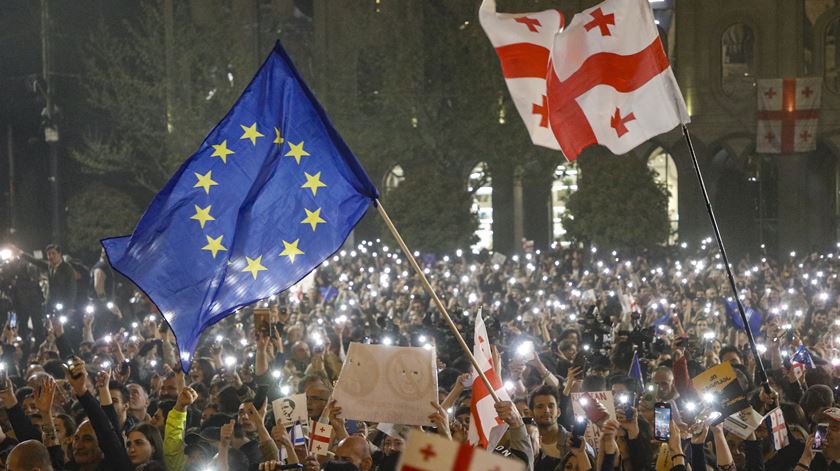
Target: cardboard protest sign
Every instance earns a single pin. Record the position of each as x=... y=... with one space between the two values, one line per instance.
x=720 y=380
x=743 y=422
x=288 y=410
x=432 y=452
x=381 y=383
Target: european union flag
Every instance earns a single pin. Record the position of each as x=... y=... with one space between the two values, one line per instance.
x=271 y=192
x=636 y=370
x=753 y=316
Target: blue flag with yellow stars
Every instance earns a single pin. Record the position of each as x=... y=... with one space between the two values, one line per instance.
x=271 y=192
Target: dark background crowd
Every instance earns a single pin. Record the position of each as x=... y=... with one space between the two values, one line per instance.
x=92 y=379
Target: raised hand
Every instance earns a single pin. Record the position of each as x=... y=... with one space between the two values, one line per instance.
x=226 y=433
x=185 y=399
x=509 y=413
x=44 y=395
x=440 y=419
x=77 y=376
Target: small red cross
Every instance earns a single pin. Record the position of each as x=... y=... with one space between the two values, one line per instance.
x=805 y=135
x=618 y=123
x=480 y=339
x=323 y=430
x=770 y=136
x=428 y=452
x=602 y=21
x=541 y=110
x=496 y=468
x=807 y=92
x=318 y=447
x=531 y=23
x=770 y=93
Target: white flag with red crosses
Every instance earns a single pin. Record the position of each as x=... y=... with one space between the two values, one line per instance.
x=610 y=82
x=523 y=43
x=429 y=452
x=787 y=115
x=320 y=437
x=778 y=429
x=486 y=428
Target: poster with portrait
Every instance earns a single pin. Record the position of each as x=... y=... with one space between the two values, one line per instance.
x=291 y=409
x=380 y=383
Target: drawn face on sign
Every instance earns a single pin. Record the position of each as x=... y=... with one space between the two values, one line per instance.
x=408 y=375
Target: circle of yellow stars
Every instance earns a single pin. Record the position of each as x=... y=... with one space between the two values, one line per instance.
x=206 y=182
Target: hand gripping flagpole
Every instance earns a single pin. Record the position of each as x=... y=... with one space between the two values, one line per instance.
x=761 y=373
x=436 y=300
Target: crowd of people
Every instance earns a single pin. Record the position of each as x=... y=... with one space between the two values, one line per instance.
x=90 y=377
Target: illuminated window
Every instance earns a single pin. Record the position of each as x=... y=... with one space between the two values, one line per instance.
x=565 y=183
x=481 y=187
x=393 y=178
x=737 y=60
x=665 y=172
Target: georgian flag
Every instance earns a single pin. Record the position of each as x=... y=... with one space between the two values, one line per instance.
x=320 y=437
x=787 y=115
x=778 y=429
x=610 y=82
x=486 y=428
x=523 y=44
x=431 y=452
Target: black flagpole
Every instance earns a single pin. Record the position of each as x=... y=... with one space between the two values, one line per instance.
x=761 y=373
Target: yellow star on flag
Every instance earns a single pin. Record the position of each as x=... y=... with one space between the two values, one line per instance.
x=296 y=151
x=254 y=266
x=313 y=218
x=313 y=182
x=202 y=215
x=214 y=245
x=291 y=250
x=205 y=181
x=278 y=139
x=221 y=150
x=250 y=133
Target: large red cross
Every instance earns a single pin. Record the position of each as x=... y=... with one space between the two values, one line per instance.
x=601 y=21
x=623 y=73
x=788 y=115
x=618 y=123
x=542 y=110
x=531 y=23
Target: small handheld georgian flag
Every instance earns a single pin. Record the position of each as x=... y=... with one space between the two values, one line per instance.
x=486 y=429
x=778 y=428
x=320 y=437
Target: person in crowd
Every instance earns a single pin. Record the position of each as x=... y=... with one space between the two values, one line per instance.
x=584 y=316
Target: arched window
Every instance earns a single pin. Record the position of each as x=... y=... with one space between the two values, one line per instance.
x=481 y=186
x=393 y=178
x=737 y=60
x=832 y=55
x=565 y=183
x=665 y=172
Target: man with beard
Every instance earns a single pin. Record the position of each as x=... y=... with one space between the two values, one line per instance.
x=553 y=436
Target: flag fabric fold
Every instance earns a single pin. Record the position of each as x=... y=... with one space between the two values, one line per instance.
x=636 y=370
x=610 y=82
x=523 y=43
x=271 y=192
x=486 y=428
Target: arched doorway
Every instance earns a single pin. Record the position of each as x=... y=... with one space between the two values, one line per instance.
x=665 y=173
x=480 y=184
x=564 y=184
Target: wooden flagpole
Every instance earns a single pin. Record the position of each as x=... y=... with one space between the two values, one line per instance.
x=436 y=299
